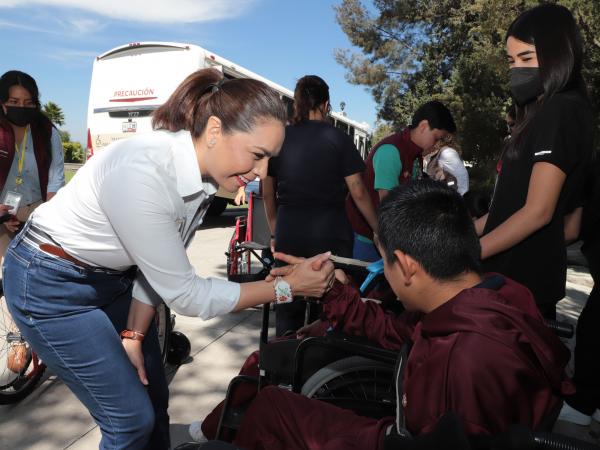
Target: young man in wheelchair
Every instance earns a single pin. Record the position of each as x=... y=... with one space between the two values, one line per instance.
x=480 y=347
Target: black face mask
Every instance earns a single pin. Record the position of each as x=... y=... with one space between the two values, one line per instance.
x=21 y=116
x=525 y=84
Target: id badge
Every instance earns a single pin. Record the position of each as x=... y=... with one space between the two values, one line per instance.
x=12 y=199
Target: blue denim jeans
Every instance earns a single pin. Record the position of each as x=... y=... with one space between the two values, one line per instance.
x=72 y=317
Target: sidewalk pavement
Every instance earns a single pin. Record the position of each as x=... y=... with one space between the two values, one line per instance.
x=52 y=418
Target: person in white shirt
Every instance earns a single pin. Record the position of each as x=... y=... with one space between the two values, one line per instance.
x=118 y=230
x=445 y=164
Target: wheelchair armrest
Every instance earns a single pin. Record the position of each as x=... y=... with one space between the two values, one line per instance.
x=251 y=245
x=346 y=345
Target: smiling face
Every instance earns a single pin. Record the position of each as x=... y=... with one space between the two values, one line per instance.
x=18 y=96
x=520 y=54
x=234 y=159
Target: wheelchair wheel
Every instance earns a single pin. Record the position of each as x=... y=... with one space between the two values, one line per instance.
x=356 y=383
x=15 y=384
x=179 y=348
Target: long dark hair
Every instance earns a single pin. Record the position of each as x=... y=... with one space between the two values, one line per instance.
x=311 y=91
x=559 y=47
x=238 y=103
x=26 y=81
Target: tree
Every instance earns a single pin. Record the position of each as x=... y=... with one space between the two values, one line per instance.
x=65 y=136
x=73 y=152
x=413 y=51
x=382 y=130
x=54 y=113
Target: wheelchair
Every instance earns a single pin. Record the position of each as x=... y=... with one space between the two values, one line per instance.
x=347 y=371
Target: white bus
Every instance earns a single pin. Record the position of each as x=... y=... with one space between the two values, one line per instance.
x=131 y=81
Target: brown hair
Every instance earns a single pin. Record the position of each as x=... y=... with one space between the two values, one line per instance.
x=447 y=141
x=238 y=103
x=311 y=91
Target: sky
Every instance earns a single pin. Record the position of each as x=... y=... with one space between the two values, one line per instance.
x=56 y=42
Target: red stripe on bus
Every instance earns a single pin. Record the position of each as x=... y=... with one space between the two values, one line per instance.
x=138 y=99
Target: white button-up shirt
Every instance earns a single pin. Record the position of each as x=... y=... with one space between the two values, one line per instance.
x=137 y=203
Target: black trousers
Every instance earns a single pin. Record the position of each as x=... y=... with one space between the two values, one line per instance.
x=291 y=316
x=587 y=348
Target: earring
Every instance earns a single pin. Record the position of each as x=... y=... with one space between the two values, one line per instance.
x=212 y=143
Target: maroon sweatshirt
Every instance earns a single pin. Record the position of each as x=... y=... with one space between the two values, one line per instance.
x=485 y=354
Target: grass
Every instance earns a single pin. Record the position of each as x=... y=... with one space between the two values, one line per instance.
x=68 y=176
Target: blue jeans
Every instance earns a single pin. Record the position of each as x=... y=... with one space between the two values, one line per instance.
x=72 y=317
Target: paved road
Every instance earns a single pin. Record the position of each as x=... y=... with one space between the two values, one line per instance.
x=52 y=418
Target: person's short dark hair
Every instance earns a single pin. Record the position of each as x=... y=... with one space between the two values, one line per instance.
x=18 y=78
x=477 y=203
x=311 y=91
x=238 y=103
x=436 y=114
x=430 y=222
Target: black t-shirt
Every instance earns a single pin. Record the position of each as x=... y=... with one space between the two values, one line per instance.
x=312 y=164
x=562 y=134
x=309 y=172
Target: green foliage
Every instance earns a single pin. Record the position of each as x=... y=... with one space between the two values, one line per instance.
x=382 y=130
x=73 y=152
x=413 y=51
x=65 y=136
x=54 y=113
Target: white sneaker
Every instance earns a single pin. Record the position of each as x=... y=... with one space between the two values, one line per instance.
x=596 y=415
x=569 y=414
x=195 y=431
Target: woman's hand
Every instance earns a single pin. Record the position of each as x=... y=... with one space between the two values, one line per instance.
x=311 y=277
x=12 y=224
x=133 y=348
x=240 y=197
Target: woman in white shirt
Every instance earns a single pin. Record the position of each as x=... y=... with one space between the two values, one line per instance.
x=445 y=164
x=119 y=229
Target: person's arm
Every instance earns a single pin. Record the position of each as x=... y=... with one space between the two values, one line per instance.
x=361 y=198
x=382 y=194
x=573 y=225
x=139 y=320
x=545 y=186
x=480 y=224
x=387 y=166
x=56 y=171
x=349 y=314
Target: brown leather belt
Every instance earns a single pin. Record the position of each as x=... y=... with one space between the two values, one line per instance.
x=60 y=253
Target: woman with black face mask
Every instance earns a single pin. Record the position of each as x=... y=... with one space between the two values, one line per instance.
x=31 y=156
x=544 y=159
